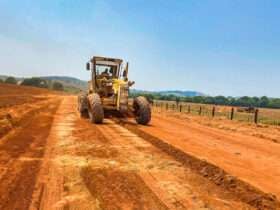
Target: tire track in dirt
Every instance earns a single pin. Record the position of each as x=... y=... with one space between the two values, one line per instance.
x=117 y=189
x=174 y=185
x=59 y=185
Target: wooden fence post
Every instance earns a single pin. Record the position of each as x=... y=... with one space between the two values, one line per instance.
x=166 y=106
x=180 y=108
x=177 y=103
x=189 y=109
x=213 y=111
x=232 y=113
x=256 y=116
x=200 y=110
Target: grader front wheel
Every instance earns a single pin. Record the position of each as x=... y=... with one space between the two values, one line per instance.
x=95 y=110
x=142 y=110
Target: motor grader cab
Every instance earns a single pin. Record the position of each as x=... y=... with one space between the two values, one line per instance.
x=109 y=89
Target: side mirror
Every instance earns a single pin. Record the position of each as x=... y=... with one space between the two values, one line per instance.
x=125 y=72
x=88 y=66
x=130 y=83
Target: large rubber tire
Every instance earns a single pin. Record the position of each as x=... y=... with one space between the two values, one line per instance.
x=83 y=105
x=84 y=114
x=95 y=111
x=142 y=110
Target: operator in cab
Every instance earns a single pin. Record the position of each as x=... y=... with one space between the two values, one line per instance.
x=105 y=74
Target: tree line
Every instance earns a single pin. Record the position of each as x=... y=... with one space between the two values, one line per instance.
x=245 y=101
x=35 y=82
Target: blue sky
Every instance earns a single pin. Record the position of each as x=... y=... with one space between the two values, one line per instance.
x=219 y=47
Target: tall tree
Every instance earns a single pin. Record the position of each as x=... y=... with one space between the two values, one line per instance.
x=36 y=82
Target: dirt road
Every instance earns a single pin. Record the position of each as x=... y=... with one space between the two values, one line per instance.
x=56 y=160
x=108 y=167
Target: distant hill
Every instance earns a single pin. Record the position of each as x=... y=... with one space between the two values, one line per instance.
x=70 y=84
x=68 y=80
x=179 y=93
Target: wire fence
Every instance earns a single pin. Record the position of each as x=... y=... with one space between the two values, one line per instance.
x=255 y=115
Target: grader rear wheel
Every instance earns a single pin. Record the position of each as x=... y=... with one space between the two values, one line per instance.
x=84 y=114
x=142 y=110
x=83 y=105
x=95 y=111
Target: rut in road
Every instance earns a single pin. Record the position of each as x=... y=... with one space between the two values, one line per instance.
x=106 y=166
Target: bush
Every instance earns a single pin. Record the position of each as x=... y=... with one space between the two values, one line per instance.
x=1 y=81
x=57 y=86
x=36 y=82
x=11 y=80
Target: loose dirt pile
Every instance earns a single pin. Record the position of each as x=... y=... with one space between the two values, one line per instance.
x=18 y=104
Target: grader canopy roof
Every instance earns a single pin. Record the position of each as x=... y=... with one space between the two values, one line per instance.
x=106 y=61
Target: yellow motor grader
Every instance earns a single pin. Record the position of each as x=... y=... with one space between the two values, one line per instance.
x=108 y=89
